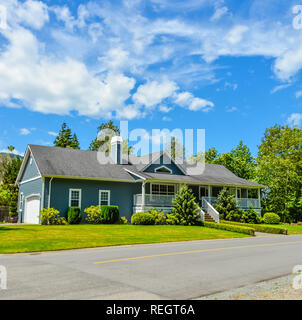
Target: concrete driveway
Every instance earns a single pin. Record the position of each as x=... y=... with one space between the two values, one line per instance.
x=181 y=270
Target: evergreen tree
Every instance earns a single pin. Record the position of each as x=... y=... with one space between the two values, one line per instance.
x=96 y=144
x=175 y=149
x=185 y=209
x=65 y=139
x=227 y=207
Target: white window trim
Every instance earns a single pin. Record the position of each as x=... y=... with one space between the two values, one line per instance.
x=109 y=196
x=80 y=196
x=156 y=169
x=162 y=184
x=21 y=201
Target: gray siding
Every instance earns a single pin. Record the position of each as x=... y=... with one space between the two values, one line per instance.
x=31 y=170
x=29 y=188
x=121 y=194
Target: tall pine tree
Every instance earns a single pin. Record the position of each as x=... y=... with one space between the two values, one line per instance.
x=66 y=139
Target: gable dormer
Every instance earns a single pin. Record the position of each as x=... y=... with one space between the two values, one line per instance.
x=165 y=165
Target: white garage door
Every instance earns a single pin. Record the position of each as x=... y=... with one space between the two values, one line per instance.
x=32 y=209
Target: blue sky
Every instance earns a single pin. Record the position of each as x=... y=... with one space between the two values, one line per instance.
x=230 y=67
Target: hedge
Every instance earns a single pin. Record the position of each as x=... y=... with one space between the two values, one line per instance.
x=228 y=227
x=110 y=214
x=74 y=215
x=143 y=218
x=259 y=227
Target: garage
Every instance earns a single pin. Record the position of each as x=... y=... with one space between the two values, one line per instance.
x=32 y=209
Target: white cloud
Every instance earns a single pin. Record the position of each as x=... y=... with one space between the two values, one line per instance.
x=52 y=133
x=24 y=131
x=50 y=86
x=187 y=100
x=280 y=87
x=33 y=14
x=153 y=92
x=165 y=109
x=219 y=12
x=231 y=109
x=235 y=35
x=295 y=119
x=298 y=94
x=16 y=152
x=166 y=119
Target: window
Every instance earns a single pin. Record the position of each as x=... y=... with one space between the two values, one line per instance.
x=31 y=161
x=104 y=198
x=167 y=189
x=75 y=197
x=239 y=193
x=216 y=191
x=163 y=169
x=21 y=201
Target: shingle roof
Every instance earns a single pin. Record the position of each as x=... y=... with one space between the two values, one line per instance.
x=53 y=161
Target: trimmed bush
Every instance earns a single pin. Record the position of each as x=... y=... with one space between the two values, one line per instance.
x=143 y=218
x=94 y=215
x=259 y=227
x=74 y=215
x=271 y=218
x=123 y=220
x=51 y=216
x=159 y=217
x=110 y=214
x=229 y=227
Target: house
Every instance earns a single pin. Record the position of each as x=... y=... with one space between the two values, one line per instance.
x=59 y=178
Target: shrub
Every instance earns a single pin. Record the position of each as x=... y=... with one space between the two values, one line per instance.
x=110 y=214
x=250 y=216
x=142 y=218
x=159 y=217
x=171 y=219
x=185 y=208
x=51 y=216
x=229 y=227
x=123 y=220
x=227 y=207
x=74 y=215
x=260 y=227
x=94 y=215
x=271 y=218
x=13 y=205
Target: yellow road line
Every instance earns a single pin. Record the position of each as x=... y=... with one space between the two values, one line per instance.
x=198 y=251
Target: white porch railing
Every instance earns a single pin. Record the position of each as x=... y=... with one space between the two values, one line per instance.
x=155 y=200
x=243 y=203
x=210 y=210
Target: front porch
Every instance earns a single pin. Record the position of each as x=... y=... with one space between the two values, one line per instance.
x=161 y=197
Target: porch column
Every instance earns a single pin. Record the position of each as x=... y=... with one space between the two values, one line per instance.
x=209 y=192
x=143 y=195
x=259 y=198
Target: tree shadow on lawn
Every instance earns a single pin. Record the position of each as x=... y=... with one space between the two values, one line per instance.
x=6 y=228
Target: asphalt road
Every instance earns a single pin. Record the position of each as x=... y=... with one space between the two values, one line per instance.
x=182 y=270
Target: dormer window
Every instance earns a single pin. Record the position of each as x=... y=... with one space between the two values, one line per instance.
x=163 y=169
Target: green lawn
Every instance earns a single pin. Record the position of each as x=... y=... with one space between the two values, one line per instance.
x=30 y=238
x=292 y=229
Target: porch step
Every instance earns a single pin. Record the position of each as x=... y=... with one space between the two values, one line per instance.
x=208 y=218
